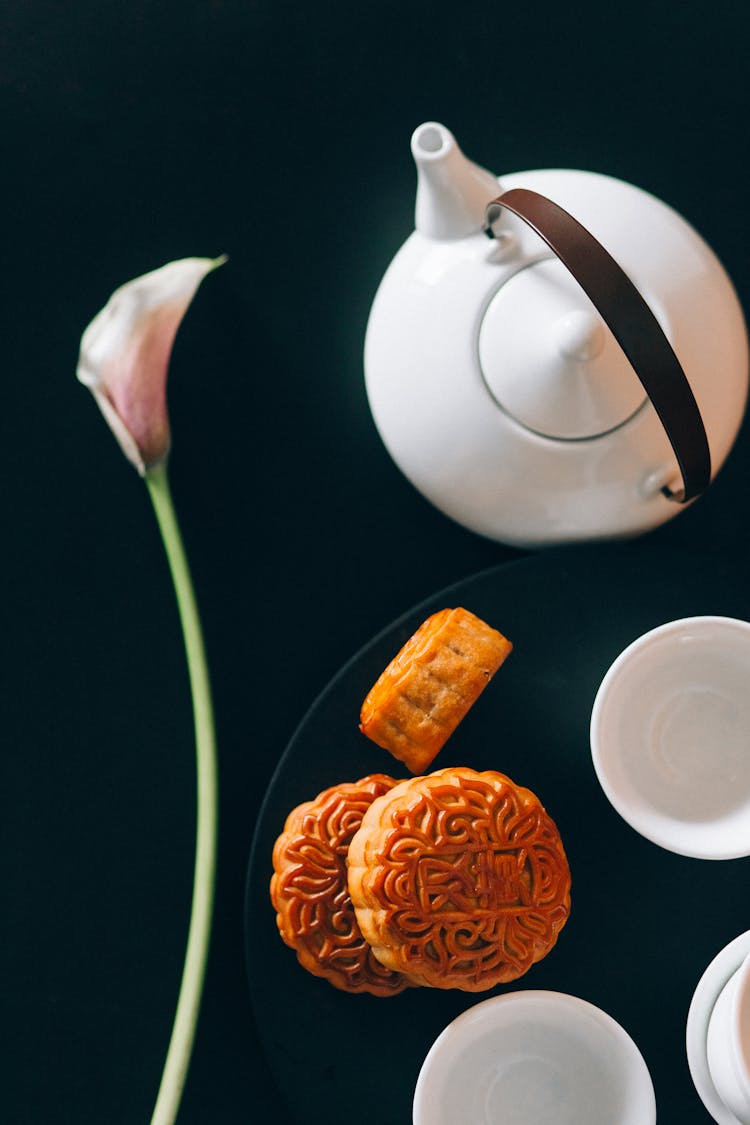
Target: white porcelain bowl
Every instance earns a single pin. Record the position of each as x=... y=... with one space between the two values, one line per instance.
x=670 y=736
x=711 y=987
x=531 y=1058
x=728 y=1043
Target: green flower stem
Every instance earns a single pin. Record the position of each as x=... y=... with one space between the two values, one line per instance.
x=196 y=954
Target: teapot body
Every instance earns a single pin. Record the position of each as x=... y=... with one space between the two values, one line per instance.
x=458 y=380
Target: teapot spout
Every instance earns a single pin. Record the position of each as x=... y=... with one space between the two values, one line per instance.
x=452 y=192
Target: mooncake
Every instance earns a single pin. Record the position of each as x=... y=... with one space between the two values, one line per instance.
x=459 y=879
x=430 y=685
x=314 y=912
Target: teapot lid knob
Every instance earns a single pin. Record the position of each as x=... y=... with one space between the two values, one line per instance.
x=580 y=335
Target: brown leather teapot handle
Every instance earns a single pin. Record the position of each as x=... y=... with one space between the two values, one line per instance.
x=631 y=322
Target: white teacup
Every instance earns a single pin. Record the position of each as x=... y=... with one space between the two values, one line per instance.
x=670 y=736
x=728 y=1043
x=531 y=1058
x=717 y=1035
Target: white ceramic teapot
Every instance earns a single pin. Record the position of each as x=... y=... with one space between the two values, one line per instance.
x=555 y=357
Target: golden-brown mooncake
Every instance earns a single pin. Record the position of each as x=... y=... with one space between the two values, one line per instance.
x=309 y=891
x=459 y=879
x=430 y=685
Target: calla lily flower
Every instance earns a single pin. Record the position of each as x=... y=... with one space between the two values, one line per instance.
x=123 y=359
x=125 y=354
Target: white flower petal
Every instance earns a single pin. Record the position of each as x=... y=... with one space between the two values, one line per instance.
x=125 y=352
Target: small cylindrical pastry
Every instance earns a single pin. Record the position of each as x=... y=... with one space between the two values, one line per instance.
x=430 y=685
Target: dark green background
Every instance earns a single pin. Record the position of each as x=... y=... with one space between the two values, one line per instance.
x=137 y=133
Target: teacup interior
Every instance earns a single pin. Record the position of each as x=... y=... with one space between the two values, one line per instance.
x=673 y=736
x=532 y=1058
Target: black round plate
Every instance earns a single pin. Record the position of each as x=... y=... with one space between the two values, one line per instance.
x=644 y=923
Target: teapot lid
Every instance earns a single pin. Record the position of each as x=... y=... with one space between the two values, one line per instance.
x=577 y=383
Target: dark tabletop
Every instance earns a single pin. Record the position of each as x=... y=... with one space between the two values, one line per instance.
x=138 y=133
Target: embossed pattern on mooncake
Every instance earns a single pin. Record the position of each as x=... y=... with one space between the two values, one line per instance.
x=309 y=890
x=459 y=879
